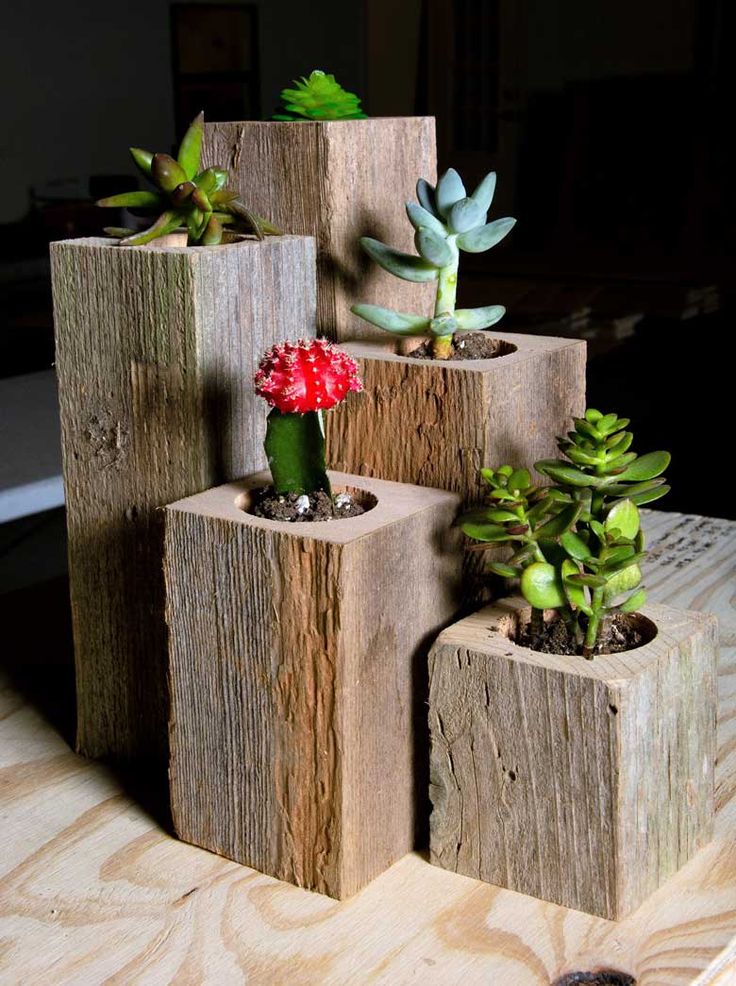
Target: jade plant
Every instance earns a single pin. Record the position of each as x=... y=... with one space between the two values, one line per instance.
x=185 y=197
x=320 y=97
x=300 y=381
x=446 y=221
x=576 y=544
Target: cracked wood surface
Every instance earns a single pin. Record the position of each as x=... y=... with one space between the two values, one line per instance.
x=155 y=354
x=336 y=180
x=94 y=891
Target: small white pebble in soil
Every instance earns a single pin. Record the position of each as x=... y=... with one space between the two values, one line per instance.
x=461 y=345
x=302 y=504
x=343 y=500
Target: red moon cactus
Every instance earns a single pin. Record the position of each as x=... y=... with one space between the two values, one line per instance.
x=309 y=375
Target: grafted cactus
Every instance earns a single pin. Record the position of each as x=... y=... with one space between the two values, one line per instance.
x=185 y=197
x=320 y=97
x=447 y=220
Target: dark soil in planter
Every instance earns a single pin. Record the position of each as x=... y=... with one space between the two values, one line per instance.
x=623 y=632
x=606 y=977
x=469 y=345
x=300 y=508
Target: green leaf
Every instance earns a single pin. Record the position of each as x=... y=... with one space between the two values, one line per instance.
x=483 y=194
x=579 y=456
x=575 y=594
x=568 y=475
x=213 y=180
x=442 y=326
x=610 y=569
x=598 y=529
x=433 y=246
x=624 y=518
x=542 y=586
x=295 y=449
x=419 y=216
x=623 y=581
x=585 y=578
x=501 y=516
x=465 y=215
x=635 y=601
x=650 y=496
x=620 y=442
x=166 y=172
x=560 y=523
x=646 y=467
x=426 y=196
x=519 y=480
x=469 y=319
x=574 y=546
x=190 y=149
x=583 y=427
x=132 y=200
x=212 y=234
x=485 y=532
x=505 y=571
x=612 y=556
x=592 y=414
x=450 y=189
x=627 y=489
x=143 y=160
x=484 y=237
x=403 y=265
x=166 y=223
x=400 y=323
x=607 y=424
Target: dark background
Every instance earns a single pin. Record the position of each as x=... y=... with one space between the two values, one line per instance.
x=607 y=121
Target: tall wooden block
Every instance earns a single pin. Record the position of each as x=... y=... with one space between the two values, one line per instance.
x=437 y=422
x=336 y=180
x=298 y=678
x=155 y=351
x=587 y=783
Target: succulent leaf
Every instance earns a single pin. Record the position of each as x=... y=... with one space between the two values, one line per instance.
x=433 y=247
x=166 y=223
x=635 y=601
x=465 y=215
x=426 y=195
x=483 y=194
x=143 y=160
x=482 y=238
x=212 y=234
x=443 y=326
x=470 y=319
x=646 y=467
x=403 y=265
x=190 y=149
x=419 y=216
x=398 y=323
x=622 y=581
x=319 y=97
x=450 y=189
x=542 y=586
x=624 y=518
x=132 y=200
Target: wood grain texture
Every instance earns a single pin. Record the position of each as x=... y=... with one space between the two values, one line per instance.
x=296 y=658
x=584 y=783
x=336 y=180
x=155 y=353
x=94 y=891
x=436 y=423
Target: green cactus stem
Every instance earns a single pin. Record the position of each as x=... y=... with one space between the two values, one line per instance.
x=295 y=448
x=446 y=221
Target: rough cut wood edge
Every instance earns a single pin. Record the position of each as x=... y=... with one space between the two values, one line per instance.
x=155 y=353
x=298 y=697
x=584 y=783
x=437 y=423
x=336 y=180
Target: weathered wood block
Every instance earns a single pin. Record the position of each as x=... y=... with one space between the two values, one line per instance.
x=298 y=678
x=436 y=423
x=587 y=783
x=155 y=352
x=336 y=180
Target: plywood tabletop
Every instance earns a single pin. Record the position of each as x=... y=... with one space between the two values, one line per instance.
x=95 y=891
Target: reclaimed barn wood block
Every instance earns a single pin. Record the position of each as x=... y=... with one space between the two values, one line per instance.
x=155 y=351
x=336 y=180
x=298 y=677
x=586 y=783
x=437 y=422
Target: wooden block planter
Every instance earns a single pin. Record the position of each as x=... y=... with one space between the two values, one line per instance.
x=155 y=351
x=298 y=677
x=587 y=783
x=336 y=180
x=436 y=422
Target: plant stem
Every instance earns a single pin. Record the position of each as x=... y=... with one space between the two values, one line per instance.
x=445 y=301
x=536 y=622
x=591 y=632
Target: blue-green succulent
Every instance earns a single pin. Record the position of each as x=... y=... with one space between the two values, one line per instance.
x=447 y=221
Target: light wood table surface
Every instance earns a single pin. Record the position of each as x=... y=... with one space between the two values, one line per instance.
x=95 y=891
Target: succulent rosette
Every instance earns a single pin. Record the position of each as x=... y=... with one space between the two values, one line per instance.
x=300 y=380
x=320 y=97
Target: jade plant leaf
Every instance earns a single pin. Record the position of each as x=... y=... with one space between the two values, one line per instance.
x=484 y=237
x=646 y=467
x=450 y=189
x=635 y=601
x=400 y=323
x=484 y=532
x=574 y=546
x=623 y=581
x=403 y=265
x=542 y=586
x=469 y=319
x=505 y=571
x=574 y=593
x=295 y=448
x=561 y=472
x=483 y=194
x=624 y=518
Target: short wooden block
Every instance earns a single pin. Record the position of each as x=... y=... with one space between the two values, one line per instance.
x=298 y=678
x=336 y=180
x=436 y=423
x=155 y=351
x=586 y=783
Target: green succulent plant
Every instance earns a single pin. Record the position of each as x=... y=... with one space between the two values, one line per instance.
x=320 y=97
x=578 y=543
x=185 y=197
x=446 y=220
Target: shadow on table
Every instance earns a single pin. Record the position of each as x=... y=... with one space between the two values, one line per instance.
x=37 y=656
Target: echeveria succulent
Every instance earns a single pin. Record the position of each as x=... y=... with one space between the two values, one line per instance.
x=447 y=221
x=301 y=380
x=578 y=543
x=185 y=197
x=320 y=97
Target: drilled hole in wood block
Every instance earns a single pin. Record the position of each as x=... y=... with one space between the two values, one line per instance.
x=605 y=977
x=246 y=501
x=511 y=626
